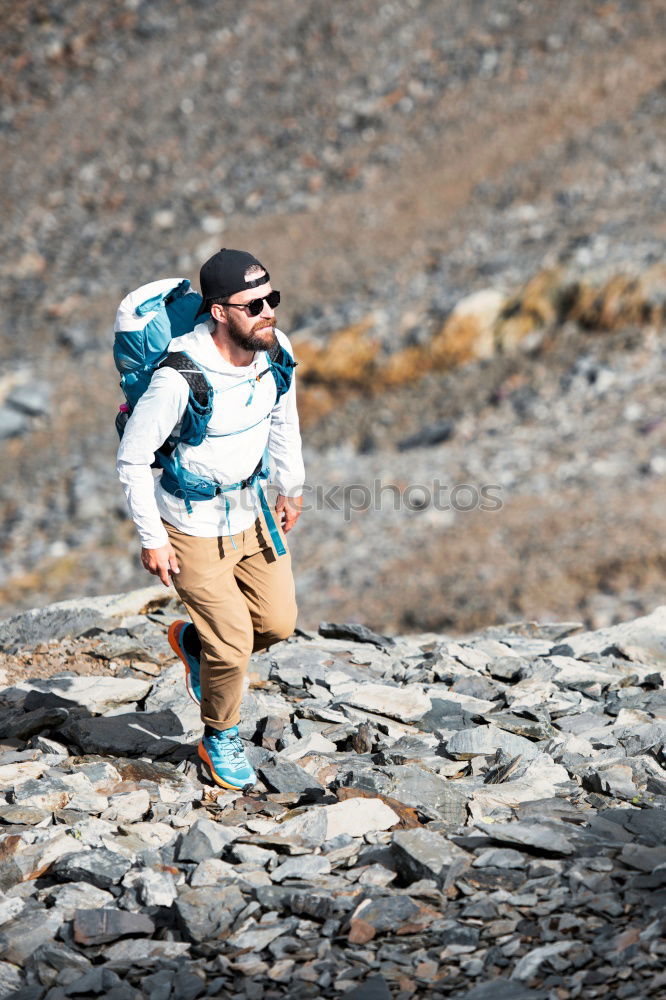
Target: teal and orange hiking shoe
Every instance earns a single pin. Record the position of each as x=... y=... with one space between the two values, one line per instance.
x=183 y=639
x=222 y=751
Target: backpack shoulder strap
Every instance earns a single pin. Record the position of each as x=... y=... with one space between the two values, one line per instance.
x=191 y=372
x=281 y=365
x=200 y=404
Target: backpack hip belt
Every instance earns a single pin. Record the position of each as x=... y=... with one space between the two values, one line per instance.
x=185 y=486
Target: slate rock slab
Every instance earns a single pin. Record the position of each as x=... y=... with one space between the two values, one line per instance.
x=355 y=632
x=204 y=913
x=306 y=829
x=10 y=979
x=642 y=640
x=486 y=740
x=21 y=862
x=357 y=817
x=406 y=704
x=498 y=857
x=204 y=840
x=316 y=903
x=527 y=966
x=170 y=694
x=97 y=982
x=100 y=866
x=373 y=988
x=94 y=694
x=101 y=926
x=73 y=896
x=302 y=867
x=646 y=825
x=71 y=618
x=421 y=853
x=22 y=936
x=122 y=955
x=418 y=788
x=550 y=837
x=502 y=989
x=133 y=733
x=30 y=723
x=155 y=888
x=288 y=778
x=397 y=914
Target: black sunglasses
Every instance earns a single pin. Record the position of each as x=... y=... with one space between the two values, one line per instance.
x=255 y=306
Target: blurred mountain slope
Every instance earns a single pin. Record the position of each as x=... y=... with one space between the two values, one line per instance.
x=385 y=160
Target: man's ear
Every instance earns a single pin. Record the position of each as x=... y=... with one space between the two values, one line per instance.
x=218 y=314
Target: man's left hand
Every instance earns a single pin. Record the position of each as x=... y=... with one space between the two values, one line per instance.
x=289 y=511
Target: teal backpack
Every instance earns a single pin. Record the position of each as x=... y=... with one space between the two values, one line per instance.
x=147 y=321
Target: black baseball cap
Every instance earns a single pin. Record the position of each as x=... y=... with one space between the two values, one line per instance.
x=224 y=273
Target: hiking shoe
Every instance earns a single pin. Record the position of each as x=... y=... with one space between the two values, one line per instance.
x=224 y=754
x=177 y=633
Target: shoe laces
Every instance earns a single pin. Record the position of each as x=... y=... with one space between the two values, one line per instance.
x=230 y=747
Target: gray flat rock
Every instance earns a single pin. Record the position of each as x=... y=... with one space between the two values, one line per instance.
x=133 y=733
x=10 y=979
x=169 y=694
x=204 y=913
x=155 y=888
x=288 y=778
x=406 y=704
x=22 y=862
x=74 y=896
x=420 y=854
x=502 y=989
x=30 y=723
x=500 y=857
x=96 y=695
x=373 y=988
x=99 y=866
x=123 y=955
x=103 y=925
x=486 y=740
x=305 y=867
x=527 y=966
x=72 y=618
x=354 y=632
x=416 y=787
x=642 y=640
x=543 y=836
x=205 y=839
x=20 y=937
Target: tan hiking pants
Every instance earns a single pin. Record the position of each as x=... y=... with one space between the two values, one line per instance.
x=240 y=600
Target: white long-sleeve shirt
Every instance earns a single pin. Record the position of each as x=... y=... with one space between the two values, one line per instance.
x=240 y=404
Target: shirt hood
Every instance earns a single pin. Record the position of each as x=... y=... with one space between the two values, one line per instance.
x=199 y=344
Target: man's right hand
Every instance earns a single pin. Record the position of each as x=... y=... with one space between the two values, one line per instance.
x=160 y=562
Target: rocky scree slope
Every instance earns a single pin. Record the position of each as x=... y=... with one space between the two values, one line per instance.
x=463 y=818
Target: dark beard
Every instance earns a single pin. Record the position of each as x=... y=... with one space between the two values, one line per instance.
x=254 y=340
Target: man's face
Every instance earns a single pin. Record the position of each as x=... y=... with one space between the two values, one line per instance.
x=254 y=333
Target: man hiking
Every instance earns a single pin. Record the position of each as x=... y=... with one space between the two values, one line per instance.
x=206 y=523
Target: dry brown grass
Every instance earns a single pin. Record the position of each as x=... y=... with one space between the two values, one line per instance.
x=622 y=301
x=483 y=324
